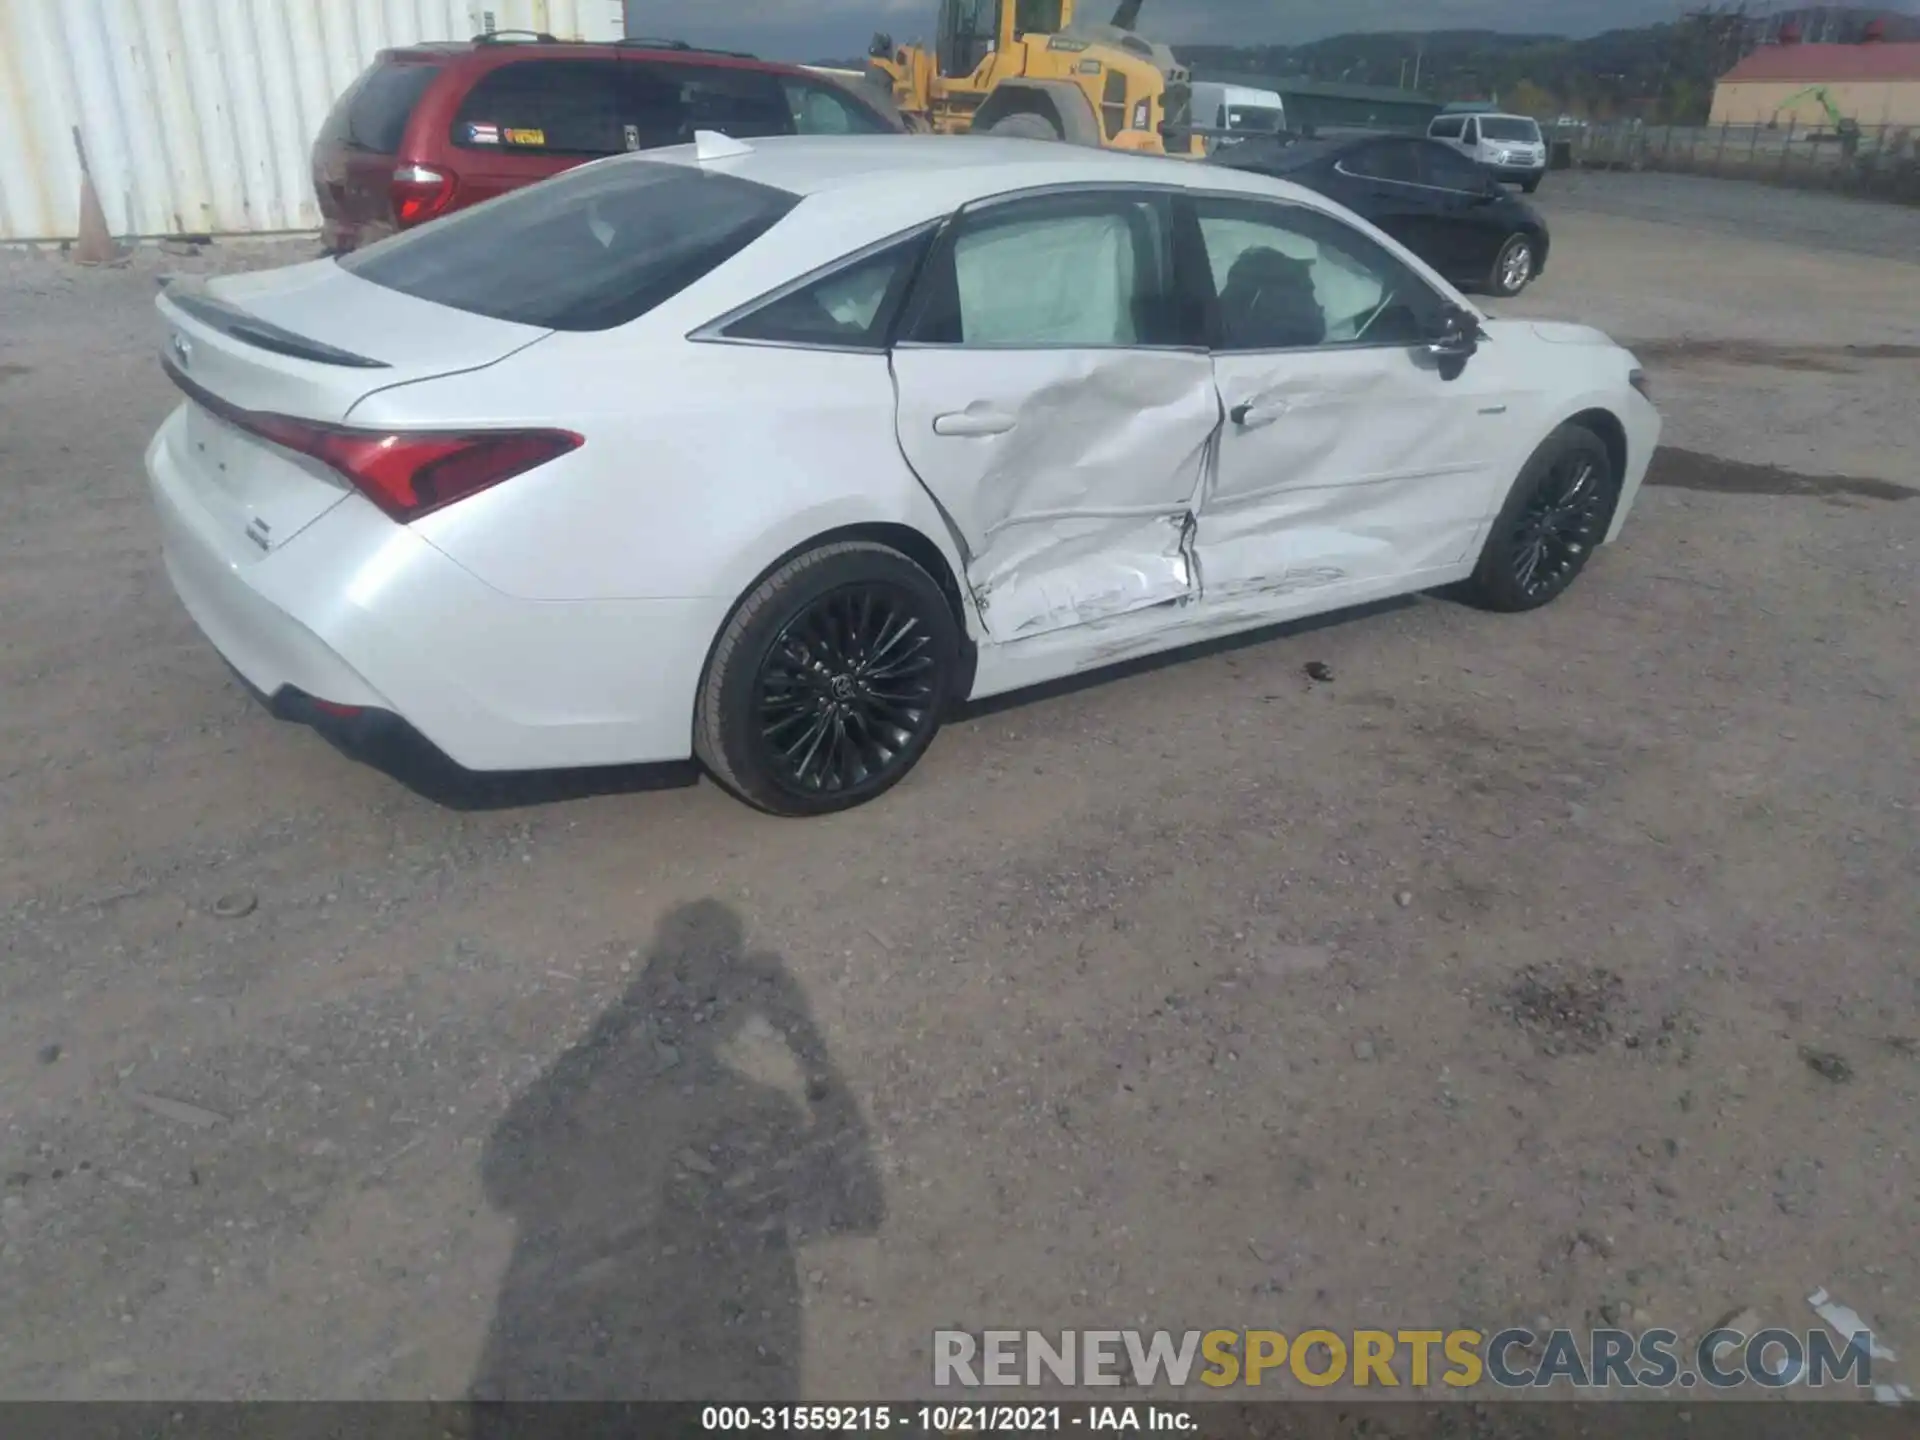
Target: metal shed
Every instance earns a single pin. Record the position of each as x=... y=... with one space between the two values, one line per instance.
x=197 y=116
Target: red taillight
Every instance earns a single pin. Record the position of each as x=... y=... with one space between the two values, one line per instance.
x=406 y=473
x=419 y=193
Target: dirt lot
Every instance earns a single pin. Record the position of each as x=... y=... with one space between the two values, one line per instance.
x=1559 y=966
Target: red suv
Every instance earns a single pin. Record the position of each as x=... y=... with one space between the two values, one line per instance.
x=437 y=127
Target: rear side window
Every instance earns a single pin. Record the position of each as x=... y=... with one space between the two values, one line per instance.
x=852 y=307
x=667 y=103
x=589 y=249
x=552 y=107
x=373 y=114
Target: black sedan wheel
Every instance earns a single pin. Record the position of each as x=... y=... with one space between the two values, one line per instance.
x=1513 y=267
x=1556 y=515
x=829 y=681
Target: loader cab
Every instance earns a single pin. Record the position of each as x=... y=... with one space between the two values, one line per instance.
x=971 y=30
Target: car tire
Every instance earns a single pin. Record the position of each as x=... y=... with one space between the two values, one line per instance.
x=1024 y=125
x=1529 y=186
x=795 y=663
x=1554 y=518
x=1514 y=267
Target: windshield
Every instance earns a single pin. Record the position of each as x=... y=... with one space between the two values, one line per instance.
x=1508 y=127
x=1263 y=118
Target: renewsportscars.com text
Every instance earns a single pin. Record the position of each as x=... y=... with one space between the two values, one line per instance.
x=1516 y=1359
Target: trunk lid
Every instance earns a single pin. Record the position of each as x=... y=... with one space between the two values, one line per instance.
x=308 y=342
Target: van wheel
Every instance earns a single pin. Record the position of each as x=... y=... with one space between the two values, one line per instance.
x=829 y=681
x=1530 y=185
x=1024 y=126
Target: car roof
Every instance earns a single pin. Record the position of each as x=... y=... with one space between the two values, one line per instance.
x=505 y=51
x=948 y=171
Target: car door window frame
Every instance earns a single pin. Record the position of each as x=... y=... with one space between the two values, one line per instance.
x=1183 y=321
x=1197 y=269
x=893 y=307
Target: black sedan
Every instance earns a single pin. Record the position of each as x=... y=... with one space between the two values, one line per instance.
x=1439 y=204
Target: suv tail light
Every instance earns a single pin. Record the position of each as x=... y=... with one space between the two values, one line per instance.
x=407 y=473
x=419 y=193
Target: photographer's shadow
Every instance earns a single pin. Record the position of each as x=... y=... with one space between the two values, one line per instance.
x=660 y=1175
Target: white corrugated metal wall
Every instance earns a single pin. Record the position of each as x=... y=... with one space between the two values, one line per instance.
x=198 y=115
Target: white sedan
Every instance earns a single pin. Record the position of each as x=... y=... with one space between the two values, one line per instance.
x=771 y=454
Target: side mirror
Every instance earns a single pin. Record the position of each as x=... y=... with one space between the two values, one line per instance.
x=1455 y=341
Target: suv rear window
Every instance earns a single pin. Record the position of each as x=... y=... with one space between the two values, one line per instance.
x=373 y=114
x=587 y=250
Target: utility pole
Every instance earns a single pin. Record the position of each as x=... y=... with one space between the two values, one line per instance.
x=1418 y=56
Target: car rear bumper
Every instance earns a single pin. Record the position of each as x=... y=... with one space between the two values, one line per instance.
x=357 y=613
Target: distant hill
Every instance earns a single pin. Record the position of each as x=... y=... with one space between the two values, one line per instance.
x=1664 y=72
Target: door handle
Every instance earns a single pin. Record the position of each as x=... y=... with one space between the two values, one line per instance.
x=1249 y=416
x=973 y=422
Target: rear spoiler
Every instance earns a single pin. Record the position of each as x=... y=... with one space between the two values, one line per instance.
x=190 y=295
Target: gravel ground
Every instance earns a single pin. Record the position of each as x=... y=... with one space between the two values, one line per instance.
x=1549 y=967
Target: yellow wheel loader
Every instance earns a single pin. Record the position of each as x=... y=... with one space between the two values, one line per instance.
x=1029 y=68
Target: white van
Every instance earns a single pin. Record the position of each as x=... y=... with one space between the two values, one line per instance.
x=1511 y=146
x=1233 y=112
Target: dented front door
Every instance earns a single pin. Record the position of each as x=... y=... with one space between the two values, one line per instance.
x=1346 y=457
x=1044 y=405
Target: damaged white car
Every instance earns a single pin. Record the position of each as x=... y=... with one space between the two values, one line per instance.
x=770 y=454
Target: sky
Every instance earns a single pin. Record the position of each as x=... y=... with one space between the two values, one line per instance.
x=820 y=29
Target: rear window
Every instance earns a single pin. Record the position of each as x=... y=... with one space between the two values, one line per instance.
x=1263 y=118
x=1505 y=127
x=587 y=250
x=373 y=114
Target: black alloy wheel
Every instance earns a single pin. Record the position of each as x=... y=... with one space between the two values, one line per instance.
x=846 y=689
x=1553 y=520
x=829 y=680
x=1563 y=520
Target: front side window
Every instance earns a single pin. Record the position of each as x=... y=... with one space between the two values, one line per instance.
x=550 y=107
x=1289 y=278
x=589 y=249
x=1038 y=17
x=1113 y=104
x=1447 y=129
x=1084 y=271
x=1473 y=132
x=853 y=307
x=822 y=110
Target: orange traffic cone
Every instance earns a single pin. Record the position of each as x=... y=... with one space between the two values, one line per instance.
x=95 y=244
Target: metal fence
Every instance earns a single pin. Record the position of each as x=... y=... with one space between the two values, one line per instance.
x=1880 y=162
